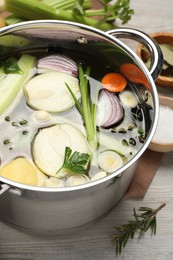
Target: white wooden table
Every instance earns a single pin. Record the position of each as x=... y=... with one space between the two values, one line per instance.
x=94 y=243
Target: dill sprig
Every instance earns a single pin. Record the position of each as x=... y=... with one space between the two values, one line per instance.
x=141 y=223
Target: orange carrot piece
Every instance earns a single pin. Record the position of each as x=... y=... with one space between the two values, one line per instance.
x=134 y=74
x=114 y=82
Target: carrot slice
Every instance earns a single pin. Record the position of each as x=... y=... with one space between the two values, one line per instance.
x=114 y=82
x=134 y=74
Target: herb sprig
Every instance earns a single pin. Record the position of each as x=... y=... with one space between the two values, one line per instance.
x=75 y=162
x=109 y=12
x=10 y=65
x=141 y=223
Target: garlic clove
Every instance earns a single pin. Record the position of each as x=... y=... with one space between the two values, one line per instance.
x=99 y=175
x=75 y=180
x=53 y=182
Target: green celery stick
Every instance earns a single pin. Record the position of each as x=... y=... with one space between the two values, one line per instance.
x=67 y=4
x=11 y=84
x=35 y=10
x=12 y=19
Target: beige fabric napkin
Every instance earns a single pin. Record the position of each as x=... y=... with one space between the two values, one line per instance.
x=144 y=174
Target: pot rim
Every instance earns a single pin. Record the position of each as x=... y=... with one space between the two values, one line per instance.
x=28 y=24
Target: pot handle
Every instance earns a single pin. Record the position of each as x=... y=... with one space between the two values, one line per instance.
x=4 y=188
x=13 y=190
x=148 y=42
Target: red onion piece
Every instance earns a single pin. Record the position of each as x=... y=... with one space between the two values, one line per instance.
x=57 y=62
x=110 y=112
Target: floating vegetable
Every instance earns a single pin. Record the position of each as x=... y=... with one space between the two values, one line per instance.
x=57 y=62
x=86 y=107
x=49 y=92
x=49 y=147
x=11 y=84
x=134 y=74
x=74 y=162
x=128 y=98
x=110 y=112
x=41 y=118
x=23 y=171
x=98 y=176
x=75 y=180
x=109 y=161
x=114 y=82
x=54 y=182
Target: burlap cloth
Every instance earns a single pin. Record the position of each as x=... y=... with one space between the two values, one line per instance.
x=144 y=174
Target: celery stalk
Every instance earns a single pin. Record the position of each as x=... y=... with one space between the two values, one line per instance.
x=11 y=19
x=11 y=84
x=34 y=10
x=67 y=4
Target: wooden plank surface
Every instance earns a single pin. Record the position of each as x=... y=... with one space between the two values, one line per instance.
x=94 y=243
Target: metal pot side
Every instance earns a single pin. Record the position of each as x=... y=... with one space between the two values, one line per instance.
x=48 y=211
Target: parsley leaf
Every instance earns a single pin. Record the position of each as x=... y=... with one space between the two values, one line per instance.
x=75 y=162
x=10 y=66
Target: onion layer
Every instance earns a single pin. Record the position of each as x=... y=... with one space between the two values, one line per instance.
x=110 y=111
x=49 y=92
x=49 y=147
x=57 y=62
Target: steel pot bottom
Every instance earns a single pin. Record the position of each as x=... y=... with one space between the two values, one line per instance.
x=45 y=215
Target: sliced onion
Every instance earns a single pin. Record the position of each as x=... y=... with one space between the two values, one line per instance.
x=109 y=161
x=99 y=175
x=75 y=180
x=49 y=92
x=110 y=111
x=128 y=98
x=49 y=145
x=57 y=62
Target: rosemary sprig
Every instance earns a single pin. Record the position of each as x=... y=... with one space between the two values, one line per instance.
x=141 y=223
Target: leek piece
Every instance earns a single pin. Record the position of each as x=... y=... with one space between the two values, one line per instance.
x=35 y=10
x=11 y=84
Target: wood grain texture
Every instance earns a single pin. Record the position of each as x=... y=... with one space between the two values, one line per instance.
x=93 y=243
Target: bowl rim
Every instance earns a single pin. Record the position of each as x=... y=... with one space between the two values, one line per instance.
x=164 y=99
x=161 y=79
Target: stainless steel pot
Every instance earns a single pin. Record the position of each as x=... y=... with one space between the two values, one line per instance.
x=52 y=210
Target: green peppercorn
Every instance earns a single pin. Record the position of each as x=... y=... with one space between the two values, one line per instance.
x=124 y=142
x=14 y=124
x=122 y=131
x=7 y=141
x=25 y=132
x=132 y=141
x=23 y=122
x=7 y=118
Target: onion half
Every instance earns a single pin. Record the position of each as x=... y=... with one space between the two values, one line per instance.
x=110 y=111
x=49 y=92
x=48 y=148
x=57 y=62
